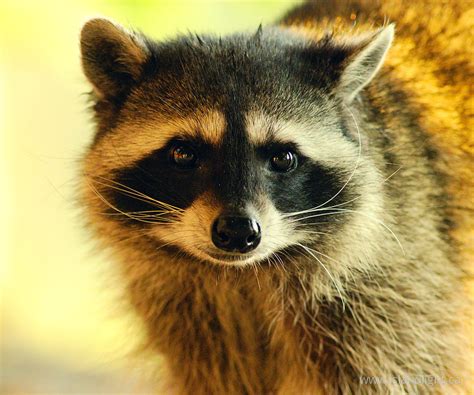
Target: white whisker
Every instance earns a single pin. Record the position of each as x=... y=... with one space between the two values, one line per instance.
x=359 y=154
x=319 y=208
x=134 y=193
x=310 y=251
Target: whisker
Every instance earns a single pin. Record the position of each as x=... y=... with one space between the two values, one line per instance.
x=131 y=190
x=336 y=211
x=151 y=213
x=319 y=208
x=101 y=197
x=391 y=175
x=309 y=251
x=157 y=219
x=316 y=215
x=359 y=154
x=256 y=276
x=379 y=222
x=161 y=221
x=136 y=194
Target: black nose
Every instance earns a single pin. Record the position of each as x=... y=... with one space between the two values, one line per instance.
x=236 y=234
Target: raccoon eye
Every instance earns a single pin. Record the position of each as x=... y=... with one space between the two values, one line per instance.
x=284 y=161
x=183 y=156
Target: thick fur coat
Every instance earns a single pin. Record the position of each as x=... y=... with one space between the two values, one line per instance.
x=367 y=297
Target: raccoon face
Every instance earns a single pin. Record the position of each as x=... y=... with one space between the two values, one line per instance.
x=230 y=150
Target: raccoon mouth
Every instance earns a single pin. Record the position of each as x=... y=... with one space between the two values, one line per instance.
x=232 y=258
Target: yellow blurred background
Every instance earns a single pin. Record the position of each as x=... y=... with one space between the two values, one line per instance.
x=63 y=328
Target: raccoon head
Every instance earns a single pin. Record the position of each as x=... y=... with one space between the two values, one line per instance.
x=232 y=150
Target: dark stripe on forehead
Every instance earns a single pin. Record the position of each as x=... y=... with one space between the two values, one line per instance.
x=236 y=178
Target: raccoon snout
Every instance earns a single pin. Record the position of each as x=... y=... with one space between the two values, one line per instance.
x=236 y=233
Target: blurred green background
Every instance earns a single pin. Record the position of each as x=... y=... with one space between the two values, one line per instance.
x=63 y=327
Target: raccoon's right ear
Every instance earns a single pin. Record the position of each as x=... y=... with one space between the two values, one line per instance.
x=364 y=61
x=112 y=58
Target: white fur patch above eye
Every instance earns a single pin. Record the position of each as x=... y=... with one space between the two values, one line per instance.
x=321 y=142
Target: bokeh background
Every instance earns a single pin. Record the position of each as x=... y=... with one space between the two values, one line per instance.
x=63 y=329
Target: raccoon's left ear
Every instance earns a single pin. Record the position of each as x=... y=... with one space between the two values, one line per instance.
x=112 y=58
x=363 y=62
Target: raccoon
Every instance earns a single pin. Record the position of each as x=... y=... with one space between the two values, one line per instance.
x=287 y=206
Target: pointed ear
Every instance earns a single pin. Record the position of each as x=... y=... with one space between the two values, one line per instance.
x=364 y=62
x=112 y=58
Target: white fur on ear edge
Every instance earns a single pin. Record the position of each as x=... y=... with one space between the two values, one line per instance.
x=366 y=63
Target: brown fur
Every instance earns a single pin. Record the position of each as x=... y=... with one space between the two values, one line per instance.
x=262 y=331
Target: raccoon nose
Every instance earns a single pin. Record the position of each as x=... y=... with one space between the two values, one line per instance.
x=236 y=234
